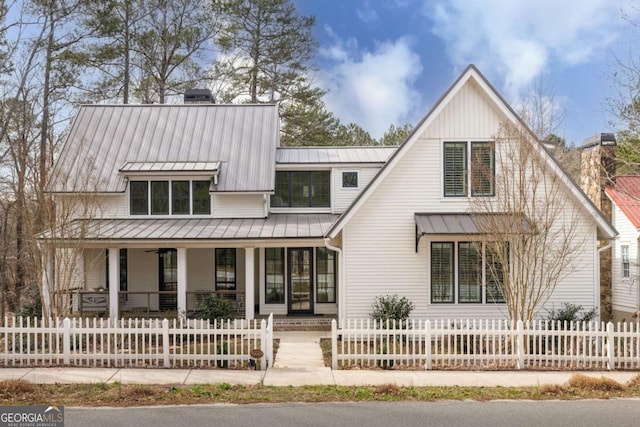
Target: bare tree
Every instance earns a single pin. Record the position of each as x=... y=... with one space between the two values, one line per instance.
x=532 y=234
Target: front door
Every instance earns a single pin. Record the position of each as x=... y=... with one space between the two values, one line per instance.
x=300 y=280
x=168 y=279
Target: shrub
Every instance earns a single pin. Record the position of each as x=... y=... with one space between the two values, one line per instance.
x=586 y=383
x=391 y=307
x=214 y=308
x=571 y=313
x=31 y=309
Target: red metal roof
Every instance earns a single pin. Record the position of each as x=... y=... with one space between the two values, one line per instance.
x=626 y=195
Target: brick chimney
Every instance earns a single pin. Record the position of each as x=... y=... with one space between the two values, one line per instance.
x=597 y=170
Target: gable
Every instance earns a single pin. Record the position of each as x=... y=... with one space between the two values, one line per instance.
x=471 y=108
x=241 y=139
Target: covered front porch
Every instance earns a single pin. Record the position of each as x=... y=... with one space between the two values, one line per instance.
x=173 y=282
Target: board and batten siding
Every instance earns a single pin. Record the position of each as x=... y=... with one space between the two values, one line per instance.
x=238 y=206
x=624 y=290
x=343 y=197
x=379 y=240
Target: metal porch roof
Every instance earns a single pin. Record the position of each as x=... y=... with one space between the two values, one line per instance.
x=276 y=226
x=470 y=223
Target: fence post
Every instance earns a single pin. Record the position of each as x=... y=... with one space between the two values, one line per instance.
x=610 y=346
x=427 y=345
x=520 y=351
x=66 y=341
x=165 y=342
x=263 y=344
x=334 y=344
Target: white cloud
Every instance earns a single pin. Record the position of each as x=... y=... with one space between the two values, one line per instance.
x=372 y=88
x=521 y=39
x=366 y=13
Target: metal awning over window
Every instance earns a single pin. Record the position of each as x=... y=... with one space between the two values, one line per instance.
x=470 y=223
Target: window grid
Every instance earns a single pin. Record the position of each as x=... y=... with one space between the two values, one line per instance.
x=325 y=275
x=468 y=164
x=169 y=198
x=624 y=249
x=274 y=280
x=350 y=179
x=302 y=189
x=469 y=273
x=225 y=269
x=442 y=272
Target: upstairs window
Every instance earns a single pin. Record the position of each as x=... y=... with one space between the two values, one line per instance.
x=349 y=179
x=624 y=252
x=169 y=198
x=302 y=189
x=469 y=165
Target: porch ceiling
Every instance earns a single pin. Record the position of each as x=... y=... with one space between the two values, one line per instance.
x=276 y=226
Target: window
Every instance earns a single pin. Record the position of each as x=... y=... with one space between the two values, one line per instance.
x=139 y=197
x=457 y=176
x=201 y=198
x=325 y=275
x=497 y=256
x=455 y=168
x=226 y=269
x=442 y=272
x=169 y=197
x=482 y=169
x=624 y=252
x=469 y=273
x=302 y=189
x=159 y=197
x=475 y=264
x=349 y=179
x=274 y=268
x=180 y=197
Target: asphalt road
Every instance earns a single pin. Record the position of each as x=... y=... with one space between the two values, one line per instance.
x=583 y=413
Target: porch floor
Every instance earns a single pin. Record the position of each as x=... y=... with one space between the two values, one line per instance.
x=300 y=323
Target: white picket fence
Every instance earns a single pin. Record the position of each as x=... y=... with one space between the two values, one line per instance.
x=95 y=342
x=485 y=344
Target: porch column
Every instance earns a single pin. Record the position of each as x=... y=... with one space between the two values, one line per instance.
x=114 y=283
x=182 y=282
x=249 y=283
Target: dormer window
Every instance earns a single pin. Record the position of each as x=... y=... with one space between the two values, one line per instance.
x=180 y=197
x=302 y=189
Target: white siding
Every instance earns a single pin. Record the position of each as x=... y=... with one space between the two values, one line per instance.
x=200 y=270
x=95 y=269
x=379 y=240
x=115 y=206
x=343 y=197
x=624 y=291
x=238 y=206
x=142 y=275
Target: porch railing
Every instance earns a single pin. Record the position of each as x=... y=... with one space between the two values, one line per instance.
x=146 y=303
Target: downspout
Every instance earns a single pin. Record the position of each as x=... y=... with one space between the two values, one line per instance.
x=598 y=300
x=341 y=289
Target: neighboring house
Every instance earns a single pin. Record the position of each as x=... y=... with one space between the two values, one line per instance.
x=200 y=198
x=625 y=197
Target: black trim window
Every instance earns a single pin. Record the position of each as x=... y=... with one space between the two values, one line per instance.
x=472 y=270
x=458 y=178
x=201 y=198
x=325 y=275
x=302 y=189
x=274 y=280
x=225 y=269
x=349 y=179
x=442 y=272
x=624 y=253
x=469 y=273
x=139 y=197
x=169 y=197
x=159 y=197
x=180 y=197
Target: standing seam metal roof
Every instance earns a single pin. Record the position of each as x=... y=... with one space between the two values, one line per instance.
x=334 y=154
x=103 y=138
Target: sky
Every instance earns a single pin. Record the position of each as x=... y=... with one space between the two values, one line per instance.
x=389 y=61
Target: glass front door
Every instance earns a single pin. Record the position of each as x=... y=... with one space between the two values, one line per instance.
x=300 y=280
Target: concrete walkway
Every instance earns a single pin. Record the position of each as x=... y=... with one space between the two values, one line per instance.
x=299 y=362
